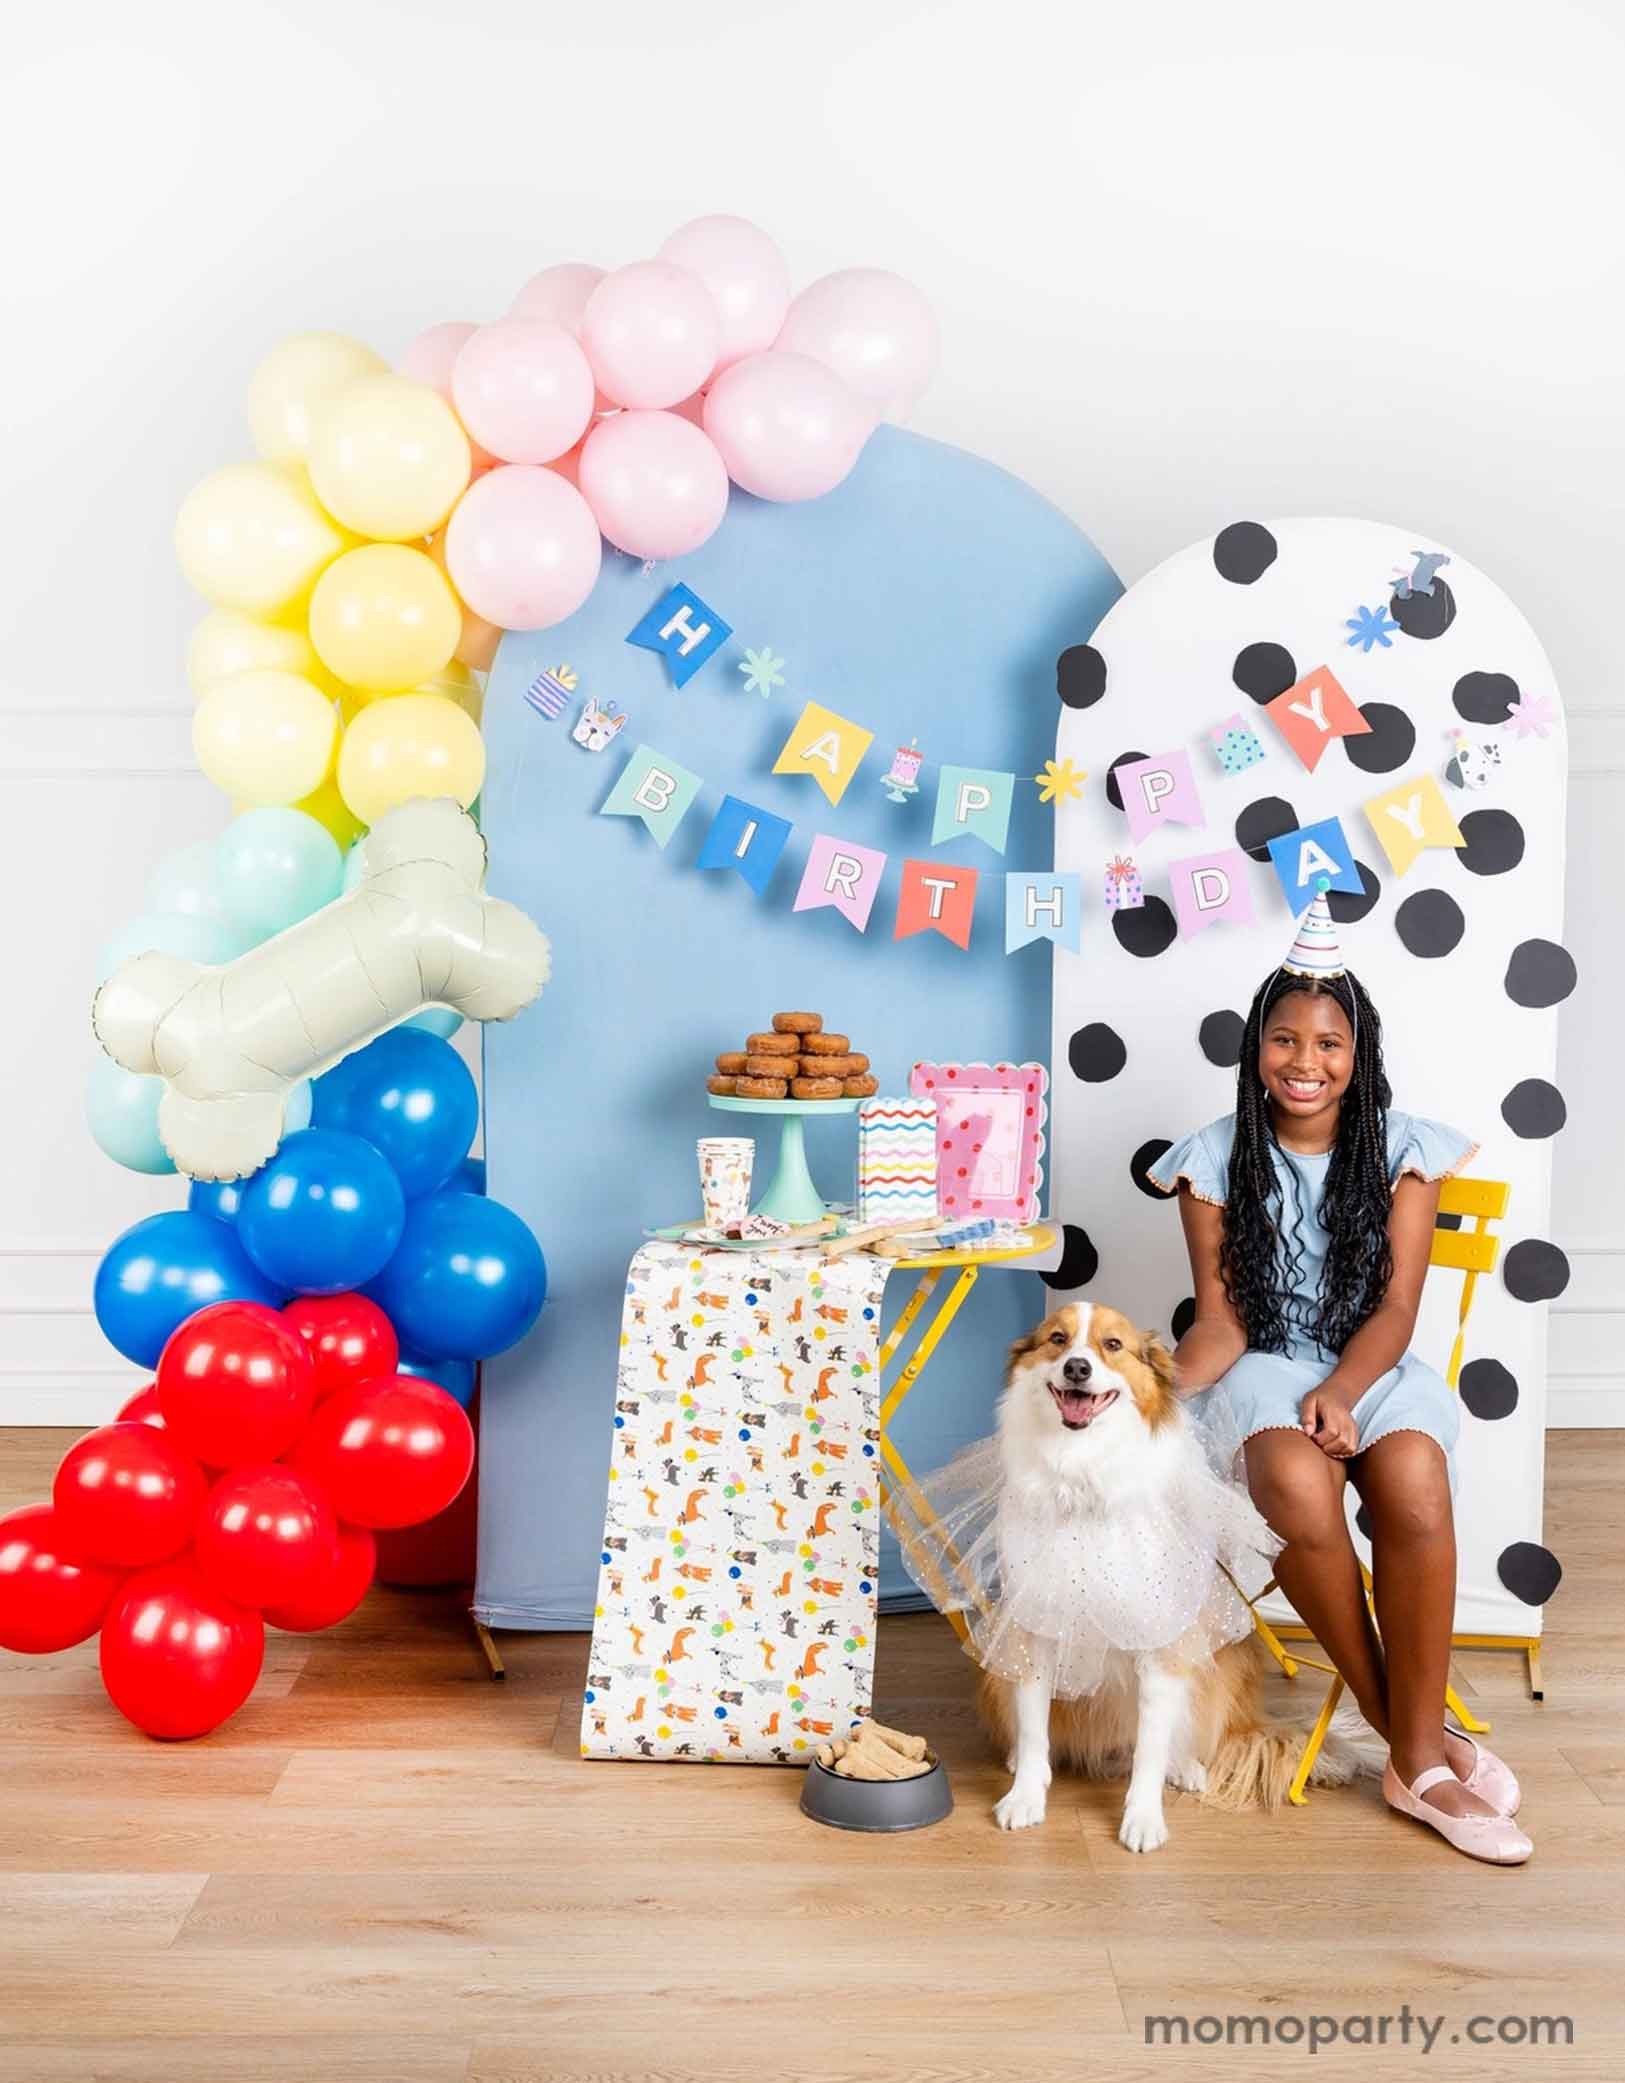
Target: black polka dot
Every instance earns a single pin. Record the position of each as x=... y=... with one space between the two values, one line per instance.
x=1488 y=1389
x=1114 y=795
x=1362 y=1521
x=1533 y=1109
x=1425 y=615
x=1080 y=676
x=1388 y=744
x=1494 y=842
x=1139 y=1166
x=1146 y=931
x=1243 y=552
x=1534 y=1270
x=1347 y=905
x=1184 y=1316
x=1429 y=924
x=1096 y=1053
x=1080 y=1261
x=1262 y=821
x=1540 y=973
x=1485 y=697
x=1447 y=1222
x=1529 y=1571
x=1264 y=671
x=1220 y=1036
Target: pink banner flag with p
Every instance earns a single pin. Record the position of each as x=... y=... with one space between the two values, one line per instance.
x=935 y=898
x=842 y=875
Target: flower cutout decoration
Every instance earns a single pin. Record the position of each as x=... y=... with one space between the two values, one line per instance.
x=1060 y=781
x=1371 y=626
x=763 y=672
x=1532 y=716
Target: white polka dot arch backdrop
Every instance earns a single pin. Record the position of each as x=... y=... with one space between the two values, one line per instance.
x=1462 y=953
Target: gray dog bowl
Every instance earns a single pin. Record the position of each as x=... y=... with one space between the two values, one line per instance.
x=876 y=1804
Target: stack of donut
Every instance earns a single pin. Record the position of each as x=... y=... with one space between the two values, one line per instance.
x=796 y=1060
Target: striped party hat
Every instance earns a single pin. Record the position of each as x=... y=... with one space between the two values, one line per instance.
x=1316 y=951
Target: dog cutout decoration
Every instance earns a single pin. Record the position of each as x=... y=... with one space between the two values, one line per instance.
x=232 y=1041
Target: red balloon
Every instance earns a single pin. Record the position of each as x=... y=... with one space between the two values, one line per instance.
x=48 y=1599
x=263 y=1532
x=349 y=1338
x=235 y=1384
x=125 y=1494
x=177 y=1655
x=142 y=1408
x=335 y=1593
x=389 y=1453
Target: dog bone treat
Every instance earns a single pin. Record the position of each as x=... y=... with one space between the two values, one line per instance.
x=909 y=1746
x=761 y=1088
x=878 y=1761
x=771 y=1066
x=772 y=1045
x=724 y=1088
x=797 y=1023
x=823 y=1045
x=815 y=1088
x=732 y=1061
x=859 y=1088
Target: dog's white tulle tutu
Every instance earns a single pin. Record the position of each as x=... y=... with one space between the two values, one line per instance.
x=1052 y=1581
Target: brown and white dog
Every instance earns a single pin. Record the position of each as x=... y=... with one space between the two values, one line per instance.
x=1090 y=1407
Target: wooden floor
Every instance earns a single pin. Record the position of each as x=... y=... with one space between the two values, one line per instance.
x=388 y=1867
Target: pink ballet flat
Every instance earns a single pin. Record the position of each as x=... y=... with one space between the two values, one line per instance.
x=1491 y=1778
x=1496 y=1839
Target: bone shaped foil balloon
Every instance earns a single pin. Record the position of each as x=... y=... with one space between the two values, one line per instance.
x=417 y=930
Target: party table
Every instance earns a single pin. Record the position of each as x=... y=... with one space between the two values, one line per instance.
x=737 y=1589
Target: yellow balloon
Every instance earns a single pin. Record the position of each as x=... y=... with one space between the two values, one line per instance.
x=454 y=681
x=265 y=737
x=293 y=383
x=389 y=458
x=227 y=642
x=252 y=537
x=383 y=617
x=329 y=808
x=415 y=745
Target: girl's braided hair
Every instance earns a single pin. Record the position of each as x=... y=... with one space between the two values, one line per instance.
x=1357 y=1199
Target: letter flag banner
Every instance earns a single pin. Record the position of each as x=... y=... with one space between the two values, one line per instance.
x=936 y=898
x=843 y=875
x=655 y=788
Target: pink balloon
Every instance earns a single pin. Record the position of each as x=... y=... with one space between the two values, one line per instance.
x=429 y=359
x=873 y=329
x=559 y=294
x=651 y=333
x=785 y=426
x=523 y=388
x=746 y=274
x=522 y=547
x=655 y=483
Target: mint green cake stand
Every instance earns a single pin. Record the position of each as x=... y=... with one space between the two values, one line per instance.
x=792 y=1197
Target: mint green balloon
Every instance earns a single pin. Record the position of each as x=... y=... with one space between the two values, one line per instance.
x=122 y=1110
x=436 y=1019
x=208 y=941
x=353 y=865
x=273 y=868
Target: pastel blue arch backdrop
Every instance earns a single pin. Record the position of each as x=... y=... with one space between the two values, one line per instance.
x=925 y=598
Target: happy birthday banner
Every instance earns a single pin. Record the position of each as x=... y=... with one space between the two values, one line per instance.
x=1155 y=790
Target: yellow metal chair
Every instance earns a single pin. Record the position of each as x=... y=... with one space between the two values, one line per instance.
x=1470 y=1253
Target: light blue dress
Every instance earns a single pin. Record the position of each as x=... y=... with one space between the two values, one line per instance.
x=1264 y=1391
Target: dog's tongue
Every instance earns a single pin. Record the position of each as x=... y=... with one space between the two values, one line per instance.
x=1077 y=1406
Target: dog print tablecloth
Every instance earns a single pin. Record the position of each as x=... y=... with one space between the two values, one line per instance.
x=736 y=1604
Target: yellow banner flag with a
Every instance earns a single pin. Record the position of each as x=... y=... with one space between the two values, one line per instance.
x=826 y=746
x=1410 y=817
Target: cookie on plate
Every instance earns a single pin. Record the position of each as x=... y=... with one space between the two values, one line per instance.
x=815 y=1088
x=797 y=1023
x=761 y=1088
x=772 y=1045
x=825 y=1045
x=859 y=1088
x=724 y=1088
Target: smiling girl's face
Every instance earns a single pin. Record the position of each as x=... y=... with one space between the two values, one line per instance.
x=1306 y=1058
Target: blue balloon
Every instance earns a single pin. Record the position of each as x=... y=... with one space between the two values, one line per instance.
x=469 y=1176
x=413 y=1097
x=222 y=1199
x=468 y=1280
x=164 y=1269
x=436 y=1019
x=324 y=1214
x=456 y=1377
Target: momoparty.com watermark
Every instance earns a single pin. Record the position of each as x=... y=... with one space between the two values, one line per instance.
x=1318 y=2030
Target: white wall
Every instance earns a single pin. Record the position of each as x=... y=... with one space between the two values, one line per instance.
x=1192 y=263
